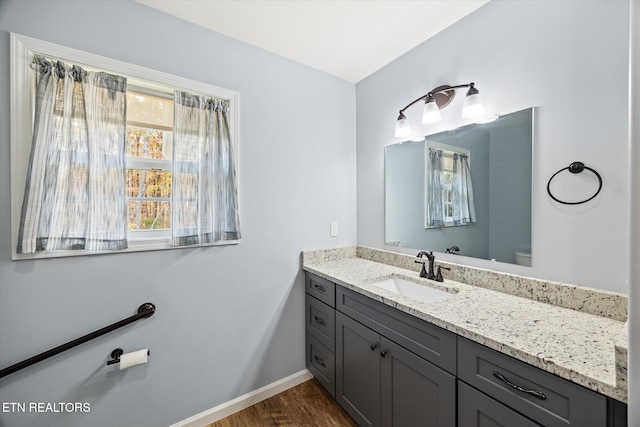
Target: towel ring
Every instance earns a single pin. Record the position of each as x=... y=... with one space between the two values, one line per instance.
x=575 y=167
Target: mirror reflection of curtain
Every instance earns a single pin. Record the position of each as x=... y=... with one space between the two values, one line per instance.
x=464 y=210
x=435 y=204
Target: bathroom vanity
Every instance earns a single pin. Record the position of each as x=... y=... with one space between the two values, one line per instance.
x=464 y=354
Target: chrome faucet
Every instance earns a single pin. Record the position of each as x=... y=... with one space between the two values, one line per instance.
x=432 y=259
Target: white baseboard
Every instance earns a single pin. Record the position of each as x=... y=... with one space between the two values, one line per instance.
x=239 y=403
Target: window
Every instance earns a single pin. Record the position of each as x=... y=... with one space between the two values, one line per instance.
x=448 y=190
x=150 y=139
x=149 y=146
x=447 y=186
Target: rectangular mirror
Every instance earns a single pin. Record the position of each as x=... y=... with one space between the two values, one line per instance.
x=468 y=187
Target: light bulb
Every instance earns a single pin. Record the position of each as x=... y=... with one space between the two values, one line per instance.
x=431 y=112
x=473 y=105
x=403 y=129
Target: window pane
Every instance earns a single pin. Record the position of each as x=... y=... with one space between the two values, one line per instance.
x=148 y=143
x=447 y=162
x=148 y=215
x=447 y=178
x=145 y=183
x=149 y=109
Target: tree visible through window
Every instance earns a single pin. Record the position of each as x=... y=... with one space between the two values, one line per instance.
x=149 y=146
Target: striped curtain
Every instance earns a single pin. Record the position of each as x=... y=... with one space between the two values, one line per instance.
x=74 y=196
x=464 y=210
x=204 y=183
x=435 y=203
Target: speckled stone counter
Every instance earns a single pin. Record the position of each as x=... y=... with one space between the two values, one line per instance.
x=574 y=332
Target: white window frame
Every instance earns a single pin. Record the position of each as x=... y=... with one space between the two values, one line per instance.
x=22 y=95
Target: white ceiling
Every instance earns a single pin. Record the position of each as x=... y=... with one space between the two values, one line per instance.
x=348 y=39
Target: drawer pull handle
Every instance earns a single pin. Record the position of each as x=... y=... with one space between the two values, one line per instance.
x=320 y=288
x=319 y=320
x=540 y=395
x=320 y=361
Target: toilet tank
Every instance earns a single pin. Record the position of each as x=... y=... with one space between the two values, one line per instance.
x=523 y=258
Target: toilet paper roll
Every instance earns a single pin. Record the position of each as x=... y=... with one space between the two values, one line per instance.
x=134 y=358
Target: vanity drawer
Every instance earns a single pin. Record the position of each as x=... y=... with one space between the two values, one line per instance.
x=561 y=403
x=476 y=409
x=321 y=288
x=321 y=321
x=428 y=341
x=321 y=362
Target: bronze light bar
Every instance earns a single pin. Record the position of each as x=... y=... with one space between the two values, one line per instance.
x=439 y=98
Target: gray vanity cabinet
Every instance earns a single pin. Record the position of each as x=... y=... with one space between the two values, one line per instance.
x=390 y=369
x=320 y=330
x=380 y=383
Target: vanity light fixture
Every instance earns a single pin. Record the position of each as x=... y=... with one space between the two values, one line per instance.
x=439 y=98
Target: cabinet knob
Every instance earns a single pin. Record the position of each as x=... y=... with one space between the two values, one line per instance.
x=320 y=288
x=384 y=353
x=373 y=346
x=320 y=361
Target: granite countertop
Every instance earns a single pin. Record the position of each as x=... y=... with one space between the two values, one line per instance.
x=585 y=348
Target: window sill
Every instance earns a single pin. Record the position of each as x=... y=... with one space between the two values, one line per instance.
x=135 y=245
x=449 y=225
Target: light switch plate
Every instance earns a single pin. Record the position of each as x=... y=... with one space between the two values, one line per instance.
x=334 y=229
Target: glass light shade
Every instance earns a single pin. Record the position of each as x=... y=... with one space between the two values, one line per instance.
x=403 y=129
x=473 y=107
x=431 y=112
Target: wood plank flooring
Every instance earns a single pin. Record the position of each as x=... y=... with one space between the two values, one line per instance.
x=306 y=405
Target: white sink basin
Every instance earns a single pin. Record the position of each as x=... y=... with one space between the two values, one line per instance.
x=412 y=290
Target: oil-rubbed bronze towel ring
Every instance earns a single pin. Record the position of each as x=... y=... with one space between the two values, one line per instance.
x=575 y=167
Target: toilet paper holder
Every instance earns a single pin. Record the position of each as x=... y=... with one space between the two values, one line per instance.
x=115 y=356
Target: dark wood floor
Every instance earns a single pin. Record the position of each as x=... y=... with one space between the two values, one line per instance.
x=306 y=405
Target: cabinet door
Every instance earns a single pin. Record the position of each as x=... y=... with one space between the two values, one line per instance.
x=414 y=392
x=476 y=409
x=358 y=370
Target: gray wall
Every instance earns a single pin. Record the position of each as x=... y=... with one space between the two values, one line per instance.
x=404 y=192
x=229 y=319
x=510 y=207
x=551 y=55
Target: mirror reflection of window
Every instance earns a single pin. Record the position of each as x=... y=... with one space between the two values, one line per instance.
x=449 y=190
x=500 y=158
